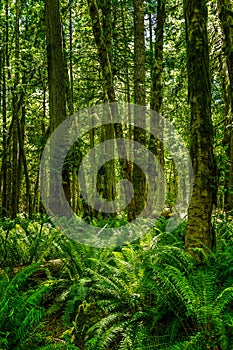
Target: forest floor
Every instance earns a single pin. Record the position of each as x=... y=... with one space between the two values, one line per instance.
x=56 y=293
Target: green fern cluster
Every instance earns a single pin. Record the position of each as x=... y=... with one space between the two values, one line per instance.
x=24 y=241
x=149 y=294
x=154 y=296
x=20 y=307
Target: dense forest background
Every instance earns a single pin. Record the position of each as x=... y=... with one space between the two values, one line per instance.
x=165 y=289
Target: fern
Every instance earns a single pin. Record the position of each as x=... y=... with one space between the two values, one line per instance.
x=20 y=308
x=24 y=242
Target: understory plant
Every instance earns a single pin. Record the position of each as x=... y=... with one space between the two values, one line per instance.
x=147 y=294
x=21 y=308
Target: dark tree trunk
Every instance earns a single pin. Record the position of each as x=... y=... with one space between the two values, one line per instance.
x=139 y=180
x=57 y=88
x=4 y=117
x=21 y=130
x=156 y=90
x=156 y=145
x=102 y=51
x=15 y=116
x=56 y=75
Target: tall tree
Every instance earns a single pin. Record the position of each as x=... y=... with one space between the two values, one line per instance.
x=156 y=145
x=16 y=168
x=139 y=180
x=157 y=72
x=56 y=75
x=5 y=63
x=199 y=228
x=225 y=10
x=56 y=83
x=102 y=51
x=102 y=34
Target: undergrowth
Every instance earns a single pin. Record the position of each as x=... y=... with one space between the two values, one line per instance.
x=147 y=294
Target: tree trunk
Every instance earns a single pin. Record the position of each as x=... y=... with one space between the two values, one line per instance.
x=71 y=54
x=156 y=91
x=102 y=51
x=21 y=130
x=139 y=180
x=4 y=116
x=199 y=229
x=15 y=116
x=103 y=43
x=225 y=10
x=56 y=75
x=156 y=145
x=57 y=87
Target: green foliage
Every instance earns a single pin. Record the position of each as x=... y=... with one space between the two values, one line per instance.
x=24 y=241
x=20 y=307
x=149 y=294
x=152 y=295
x=111 y=222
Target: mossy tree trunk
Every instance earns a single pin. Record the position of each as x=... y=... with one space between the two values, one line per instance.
x=139 y=180
x=102 y=33
x=156 y=145
x=225 y=10
x=157 y=71
x=102 y=51
x=57 y=86
x=199 y=228
x=4 y=64
x=16 y=168
x=56 y=73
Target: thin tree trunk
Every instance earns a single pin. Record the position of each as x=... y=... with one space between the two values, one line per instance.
x=69 y=95
x=4 y=116
x=157 y=72
x=71 y=55
x=21 y=130
x=139 y=180
x=156 y=145
x=127 y=100
x=15 y=115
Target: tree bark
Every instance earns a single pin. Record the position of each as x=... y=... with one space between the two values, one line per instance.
x=156 y=145
x=156 y=90
x=4 y=116
x=57 y=89
x=225 y=10
x=56 y=75
x=15 y=116
x=139 y=180
x=102 y=51
x=21 y=130
x=199 y=229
